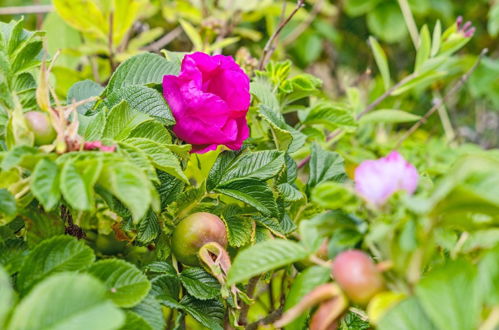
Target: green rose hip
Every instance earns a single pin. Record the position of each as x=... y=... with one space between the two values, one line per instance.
x=195 y=231
x=39 y=123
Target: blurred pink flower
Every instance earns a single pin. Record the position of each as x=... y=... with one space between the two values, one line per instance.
x=97 y=145
x=467 y=29
x=209 y=100
x=377 y=180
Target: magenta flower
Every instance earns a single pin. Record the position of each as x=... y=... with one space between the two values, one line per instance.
x=466 y=29
x=209 y=100
x=377 y=180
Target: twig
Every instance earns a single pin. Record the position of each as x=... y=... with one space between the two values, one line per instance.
x=438 y=103
x=163 y=41
x=385 y=95
x=250 y=291
x=34 y=9
x=293 y=35
x=271 y=318
x=269 y=48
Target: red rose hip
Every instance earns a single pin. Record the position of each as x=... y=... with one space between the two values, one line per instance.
x=195 y=231
x=357 y=275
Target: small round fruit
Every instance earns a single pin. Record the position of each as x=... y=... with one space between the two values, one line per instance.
x=357 y=275
x=39 y=123
x=195 y=231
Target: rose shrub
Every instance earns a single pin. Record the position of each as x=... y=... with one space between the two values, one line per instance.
x=149 y=182
x=209 y=100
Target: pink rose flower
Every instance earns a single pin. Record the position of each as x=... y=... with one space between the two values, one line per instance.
x=377 y=180
x=209 y=100
x=97 y=145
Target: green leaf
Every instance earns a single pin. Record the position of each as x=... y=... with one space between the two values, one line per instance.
x=94 y=130
x=199 y=283
x=263 y=257
x=45 y=183
x=261 y=165
x=7 y=298
x=253 y=192
x=488 y=277
x=67 y=301
x=130 y=186
x=436 y=39
x=424 y=49
x=12 y=254
x=386 y=22
x=60 y=36
x=121 y=120
x=449 y=297
x=331 y=115
x=83 y=90
x=286 y=138
x=148 y=228
x=239 y=229
x=388 y=116
x=325 y=166
x=152 y=130
x=134 y=321
x=166 y=286
x=7 y=204
x=209 y=313
x=58 y=254
x=42 y=226
x=381 y=61
x=161 y=156
x=193 y=34
x=127 y=285
x=142 y=69
x=73 y=188
x=406 y=315
x=143 y=99
x=303 y=284
x=263 y=90
x=150 y=311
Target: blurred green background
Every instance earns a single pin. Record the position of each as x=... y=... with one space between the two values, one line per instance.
x=327 y=38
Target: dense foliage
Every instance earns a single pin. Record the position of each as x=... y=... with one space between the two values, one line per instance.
x=335 y=169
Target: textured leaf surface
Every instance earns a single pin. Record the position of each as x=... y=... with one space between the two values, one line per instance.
x=199 y=283
x=58 y=254
x=126 y=284
x=45 y=183
x=265 y=256
x=142 y=69
x=143 y=99
x=67 y=301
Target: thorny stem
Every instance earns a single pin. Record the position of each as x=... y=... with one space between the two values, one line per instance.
x=438 y=103
x=269 y=48
x=250 y=291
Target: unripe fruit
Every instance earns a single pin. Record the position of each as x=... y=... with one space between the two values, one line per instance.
x=321 y=320
x=195 y=231
x=357 y=275
x=39 y=123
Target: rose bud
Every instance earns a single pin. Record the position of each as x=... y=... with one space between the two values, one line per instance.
x=39 y=123
x=209 y=100
x=195 y=231
x=357 y=275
